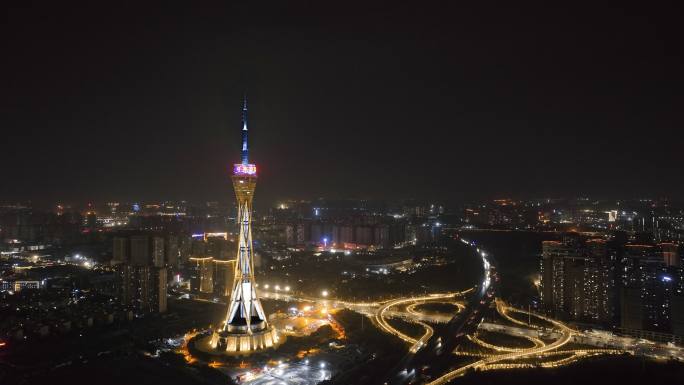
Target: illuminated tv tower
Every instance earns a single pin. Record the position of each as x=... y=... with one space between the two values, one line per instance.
x=245 y=328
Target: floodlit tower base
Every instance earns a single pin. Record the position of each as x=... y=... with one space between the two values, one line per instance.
x=239 y=343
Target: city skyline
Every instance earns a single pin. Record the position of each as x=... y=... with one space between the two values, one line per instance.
x=448 y=194
x=229 y=204
x=503 y=102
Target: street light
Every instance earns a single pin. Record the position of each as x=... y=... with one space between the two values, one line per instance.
x=287 y=288
x=324 y=293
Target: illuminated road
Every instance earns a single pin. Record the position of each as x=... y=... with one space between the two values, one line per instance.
x=541 y=355
x=540 y=351
x=566 y=335
x=372 y=309
x=504 y=357
x=476 y=340
x=380 y=312
x=413 y=316
x=381 y=317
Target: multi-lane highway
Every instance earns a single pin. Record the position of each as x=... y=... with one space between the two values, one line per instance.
x=416 y=344
x=438 y=345
x=566 y=334
x=463 y=328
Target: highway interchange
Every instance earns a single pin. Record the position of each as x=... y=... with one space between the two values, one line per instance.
x=549 y=337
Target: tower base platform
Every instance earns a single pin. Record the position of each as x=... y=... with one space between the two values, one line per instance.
x=226 y=343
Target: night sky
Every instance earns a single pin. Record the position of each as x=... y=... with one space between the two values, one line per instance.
x=141 y=102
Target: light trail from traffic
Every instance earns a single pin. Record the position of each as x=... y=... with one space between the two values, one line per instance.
x=381 y=321
x=475 y=339
x=505 y=357
x=493 y=359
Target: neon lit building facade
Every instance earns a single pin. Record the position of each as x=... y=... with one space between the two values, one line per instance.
x=246 y=328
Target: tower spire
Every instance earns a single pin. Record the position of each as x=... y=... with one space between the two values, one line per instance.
x=245 y=147
x=246 y=328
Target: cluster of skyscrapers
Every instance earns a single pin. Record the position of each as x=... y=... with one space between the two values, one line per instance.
x=148 y=261
x=141 y=261
x=637 y=289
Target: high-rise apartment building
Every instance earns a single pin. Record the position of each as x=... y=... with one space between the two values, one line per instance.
x=202 y=278
x=139 y=261
x=577 y=280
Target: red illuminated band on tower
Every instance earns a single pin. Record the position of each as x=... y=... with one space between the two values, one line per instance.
x=244 y=169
